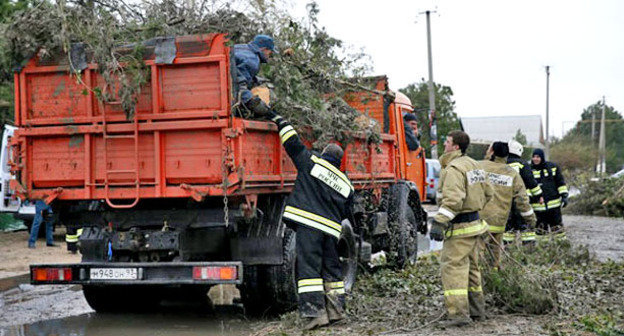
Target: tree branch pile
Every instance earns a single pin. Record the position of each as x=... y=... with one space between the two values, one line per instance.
x=308 y=84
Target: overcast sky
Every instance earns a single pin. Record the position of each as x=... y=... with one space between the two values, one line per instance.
x=493 y=53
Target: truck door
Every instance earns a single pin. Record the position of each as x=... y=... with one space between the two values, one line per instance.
x=415 y=169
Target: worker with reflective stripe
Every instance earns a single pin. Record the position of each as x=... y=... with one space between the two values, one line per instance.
x=508 y=188
x=555 y=192
x=465 y=192
x=71 y=238
x=321 y=199
x=516 y=222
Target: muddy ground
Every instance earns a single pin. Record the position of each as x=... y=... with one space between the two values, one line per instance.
x=15 y=256
x=28 y=304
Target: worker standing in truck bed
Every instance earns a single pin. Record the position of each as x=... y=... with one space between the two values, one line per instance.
x=321 y=199
x=248 y=58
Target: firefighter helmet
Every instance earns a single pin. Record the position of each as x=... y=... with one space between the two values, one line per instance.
x=515 y=147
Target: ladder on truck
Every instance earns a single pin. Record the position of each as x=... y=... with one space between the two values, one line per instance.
x=108 y=173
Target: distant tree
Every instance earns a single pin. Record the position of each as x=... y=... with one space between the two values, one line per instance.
x=446 y=118
x=520 y=137
x=7 y=9
x=581 y=145
x=574 y=153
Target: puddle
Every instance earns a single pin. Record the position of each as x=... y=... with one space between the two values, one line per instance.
x=161 y=324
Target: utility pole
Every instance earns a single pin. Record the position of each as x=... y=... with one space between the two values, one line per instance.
x=593 y=122
x=602 y=164
x=433 y=128
x=547 y=116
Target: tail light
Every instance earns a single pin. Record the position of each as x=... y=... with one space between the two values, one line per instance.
x=215 y=273
x=431 y=185
x=52 y=274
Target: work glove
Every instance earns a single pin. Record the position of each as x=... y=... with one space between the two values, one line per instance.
x=258 y=107
x=288 y=52
x=564 y=201
x=437 y=230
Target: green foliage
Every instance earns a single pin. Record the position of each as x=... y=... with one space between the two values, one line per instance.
x=525 y=282
x=319 y=66
x=477 y=151
x=603 y=197
x=574 y=153
x=602 y=325
x=614 y=128
x=7 y=10
x=520 y=137
x=447 y=119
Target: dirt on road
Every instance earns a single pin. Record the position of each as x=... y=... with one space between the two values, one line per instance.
x=603 y=236
x=15 y=256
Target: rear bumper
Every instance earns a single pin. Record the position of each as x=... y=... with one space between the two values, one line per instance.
x=148 y=273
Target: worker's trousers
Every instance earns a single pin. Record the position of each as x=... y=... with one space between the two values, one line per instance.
x=493 y=248
x=461 y=277
x=319 y=273
x=72 y=236
x=549 y=221
x=517 y=223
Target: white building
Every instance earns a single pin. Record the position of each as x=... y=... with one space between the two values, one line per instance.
x=485 y=130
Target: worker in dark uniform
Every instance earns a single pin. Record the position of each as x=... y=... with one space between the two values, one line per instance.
x=321 y=199
x=516 y=222
x=555 y=192
x=71 y=238
x=410 y=125
x=248 y=58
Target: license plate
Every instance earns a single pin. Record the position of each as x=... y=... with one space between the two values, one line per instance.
x=114 y=274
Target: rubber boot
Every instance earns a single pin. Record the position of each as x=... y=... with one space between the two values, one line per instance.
x=316 y=322
x=477 y=306
x=335 y=310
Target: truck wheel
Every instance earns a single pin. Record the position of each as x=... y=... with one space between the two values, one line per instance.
x=403 y=224
x=270 y=290
x=348 y=252
x=105 y=299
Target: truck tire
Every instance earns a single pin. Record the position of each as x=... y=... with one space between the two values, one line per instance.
x=270 y=290
x=111 y=299
x=348 y=252
x=403 y=222
x=280 y=280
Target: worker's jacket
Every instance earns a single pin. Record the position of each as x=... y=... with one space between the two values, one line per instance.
x=549 y=177
x=533 y=189
x=465 y=192
x=507 y=187
x=322 y=195
x=247 y=58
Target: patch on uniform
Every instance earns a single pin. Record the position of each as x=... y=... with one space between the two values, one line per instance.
x=332 y=180
x=500 y=180
x=475 y=176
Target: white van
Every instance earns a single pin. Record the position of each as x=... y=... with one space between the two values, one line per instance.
x=9 y=204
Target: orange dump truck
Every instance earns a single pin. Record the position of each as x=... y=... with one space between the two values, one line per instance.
x=183 y=195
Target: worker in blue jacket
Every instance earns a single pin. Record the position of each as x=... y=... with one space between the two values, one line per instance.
x=248 y=58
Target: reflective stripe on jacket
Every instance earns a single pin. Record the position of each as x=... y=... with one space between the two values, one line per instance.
x=550 y=178
x=507 y=187
x=464 y=189
x=322 y=195
x=532 y=187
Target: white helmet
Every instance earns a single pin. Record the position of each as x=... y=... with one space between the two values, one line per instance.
x=515 y=147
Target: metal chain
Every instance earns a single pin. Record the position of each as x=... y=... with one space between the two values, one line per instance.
x=226 y=212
